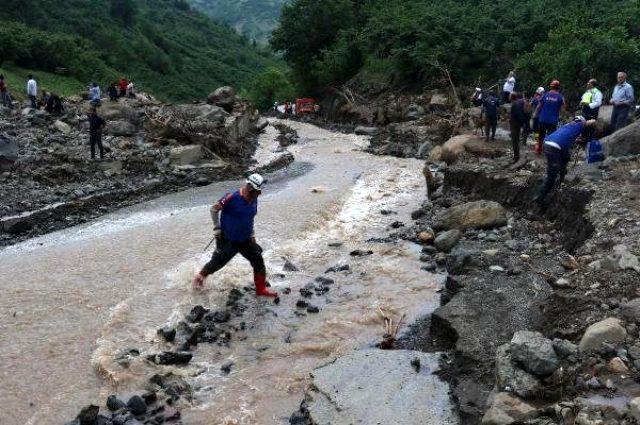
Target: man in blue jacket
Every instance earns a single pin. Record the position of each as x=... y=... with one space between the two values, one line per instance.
x=233 y=217
x=557 y=149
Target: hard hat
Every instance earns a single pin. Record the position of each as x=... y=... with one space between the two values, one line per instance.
x=256 y=181
x=579 y=118
x=478 y=89
x=555 y=84
x=540 y=90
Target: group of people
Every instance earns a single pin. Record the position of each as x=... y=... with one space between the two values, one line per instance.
x=541 y=114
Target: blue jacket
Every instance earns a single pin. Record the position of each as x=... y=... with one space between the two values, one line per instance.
x=566 y=136
x=551 y=103
x=236 y=218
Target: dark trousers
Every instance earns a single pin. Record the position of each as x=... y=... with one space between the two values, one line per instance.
x=557 y=161
x=545 y=129
x=506 y=97
x=590 y=114
x=34 y=104
x=226 y=250
x=619 y=117
x=491 y=124
x=96 y=139
x=518 y=128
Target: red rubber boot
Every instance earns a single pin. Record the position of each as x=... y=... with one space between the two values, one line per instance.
x=261 y=286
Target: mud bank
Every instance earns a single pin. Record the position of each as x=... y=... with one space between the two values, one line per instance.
x=556 y=272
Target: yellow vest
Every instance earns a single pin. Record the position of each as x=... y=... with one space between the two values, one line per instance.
x=587 y=97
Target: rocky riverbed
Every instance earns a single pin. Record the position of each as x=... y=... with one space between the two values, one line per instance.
x=49 y=182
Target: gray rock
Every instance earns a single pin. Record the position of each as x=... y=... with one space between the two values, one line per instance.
x=565 y=348
x=624 y=141
x=120 y=128
x=184 y=155
x=534 y=352
x=136 y=405
x=609 y=330
x=366 y=131
x=508 y=409
x=445 y=241
x=62 y=127
x=631 y=310
x=513 y=379
x=477 y=214
x=379 y=387
x=224 y=97
x=8 y=151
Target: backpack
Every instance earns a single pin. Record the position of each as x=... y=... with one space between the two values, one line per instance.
x=595 y=152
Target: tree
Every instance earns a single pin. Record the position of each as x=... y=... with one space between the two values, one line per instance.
x=270 y=86
x=125 y=11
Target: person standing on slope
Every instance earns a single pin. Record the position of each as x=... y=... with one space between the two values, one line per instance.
x=32 y=91
x=508 y=87
x=233 y=220
x=549 y=108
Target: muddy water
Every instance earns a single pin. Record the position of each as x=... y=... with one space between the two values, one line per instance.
x=71 y=301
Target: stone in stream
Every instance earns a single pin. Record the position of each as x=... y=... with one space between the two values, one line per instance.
x=512 y=378
x=631 y=310
x=313 y=309
x=301 y=304
x=88 y=415
x=168 y=333
x=445 y=241
x=196 y=314
x=325 y=280
x=137 y=405
x=170 y=358
x=289 y=267
x=373 y=386
x=338 y=268
x=307 y=290
x=360 y=253
x=226 y=367
x=114 y=403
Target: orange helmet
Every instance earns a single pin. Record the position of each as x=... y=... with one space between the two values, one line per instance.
x=555 y=84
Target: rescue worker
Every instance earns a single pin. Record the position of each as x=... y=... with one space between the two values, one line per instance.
x=96 y=124
x=32 y=91
x=233 y=216
x=557 y=149
x=591 y=101
x=518 y=122
x=113 y=92
x=622 y=99
x=535 y=101
x=508 y=87
x=122 y=85
x=490 y=106
x=548 y=111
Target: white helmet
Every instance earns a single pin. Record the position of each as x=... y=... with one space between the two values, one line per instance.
x=540 y=90
x=256 y=181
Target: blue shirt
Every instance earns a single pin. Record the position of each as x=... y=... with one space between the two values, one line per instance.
x=551 y=103
x=94 y=93
x=236 y=218
x=623 y=93
x=566 y=135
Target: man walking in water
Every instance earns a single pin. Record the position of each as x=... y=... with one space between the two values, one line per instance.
x=233 y=217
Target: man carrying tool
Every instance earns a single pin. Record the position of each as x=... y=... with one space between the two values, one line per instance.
x=233 y=217
x=557 y=149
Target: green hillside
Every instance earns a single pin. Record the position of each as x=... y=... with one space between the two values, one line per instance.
x=256 y=19
x=165 y=47
x=413 y=43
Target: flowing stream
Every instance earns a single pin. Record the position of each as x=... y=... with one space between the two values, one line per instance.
x=72 y=300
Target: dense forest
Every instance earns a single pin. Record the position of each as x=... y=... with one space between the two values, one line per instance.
x=415 y=43
x=256 y=19
x=163 y=45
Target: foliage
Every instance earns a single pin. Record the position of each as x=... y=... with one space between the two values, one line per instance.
x=16 y=79
x=270 y=86
x=163 y=45
x=408 y=43
x=256 y=19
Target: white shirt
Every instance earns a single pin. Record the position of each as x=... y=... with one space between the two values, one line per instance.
x=509 y=85
x=32 y=88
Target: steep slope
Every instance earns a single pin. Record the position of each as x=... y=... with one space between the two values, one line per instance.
x=256 y=19
x=167 y=48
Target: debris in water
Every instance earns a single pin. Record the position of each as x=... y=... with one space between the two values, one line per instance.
x=416 y=364
x=390 y=331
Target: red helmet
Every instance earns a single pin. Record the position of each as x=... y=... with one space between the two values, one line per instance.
x=555 y=84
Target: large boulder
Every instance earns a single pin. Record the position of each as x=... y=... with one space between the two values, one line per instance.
x=224 y=97
x=477 y=214
x=455 y=146
x=512 y=378
x=120 y=128
x=604 y=116
x=112 y=111
x=62 y=127
x=534 y=352
x=366 y=131
x=608 y=331
x=507 y=409
x=625 y=141
x=184 y=155
x=8 y=151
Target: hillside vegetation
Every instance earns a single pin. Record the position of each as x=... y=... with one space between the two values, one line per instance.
x=256 y=19
x=164 y=46
x=413 y=43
